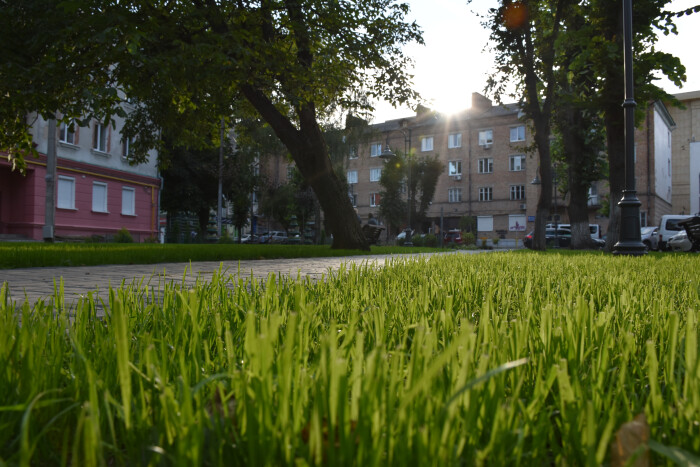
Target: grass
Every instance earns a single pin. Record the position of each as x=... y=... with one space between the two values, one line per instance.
x=31 y=254
x=498 y=359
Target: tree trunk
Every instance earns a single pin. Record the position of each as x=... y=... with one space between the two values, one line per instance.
x=544 y=203
x=578 y=213
x=309 y=151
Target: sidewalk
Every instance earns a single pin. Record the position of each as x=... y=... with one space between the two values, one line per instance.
x=33 y=284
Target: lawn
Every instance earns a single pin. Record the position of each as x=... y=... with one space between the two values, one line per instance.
x=494 y=359
x=32 y=254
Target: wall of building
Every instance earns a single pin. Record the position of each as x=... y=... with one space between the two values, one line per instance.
x=686 y=134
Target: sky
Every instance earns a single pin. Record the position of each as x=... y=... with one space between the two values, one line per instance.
x=454 y=61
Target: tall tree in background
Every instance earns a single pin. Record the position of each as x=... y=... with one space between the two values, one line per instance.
x=523 y=37
x=294 y=61
x=605 y=57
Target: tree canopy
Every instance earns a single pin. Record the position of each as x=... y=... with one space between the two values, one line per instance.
x=187 y=63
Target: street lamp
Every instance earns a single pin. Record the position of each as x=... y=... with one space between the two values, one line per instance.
x=388 y=154
x=630 y=242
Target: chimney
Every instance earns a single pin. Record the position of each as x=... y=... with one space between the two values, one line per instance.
x=480 y=102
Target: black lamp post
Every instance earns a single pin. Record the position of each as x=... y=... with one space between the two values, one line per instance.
x=388 y=154
x=630 y=242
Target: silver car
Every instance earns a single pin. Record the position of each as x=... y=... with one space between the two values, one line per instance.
x=650 y=237
x=680 y=242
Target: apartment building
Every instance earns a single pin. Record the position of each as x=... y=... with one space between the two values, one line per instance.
x=488 y=171
x=686 y=154
x=97 y=191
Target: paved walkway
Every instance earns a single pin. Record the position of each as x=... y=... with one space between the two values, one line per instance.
x=33 y=284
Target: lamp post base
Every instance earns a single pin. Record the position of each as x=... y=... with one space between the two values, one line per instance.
x=630 y=242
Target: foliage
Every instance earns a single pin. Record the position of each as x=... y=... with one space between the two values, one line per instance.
x=123 y=236
x=468 y=238
x=424 y=173
x=467 y=224
x=372 y=365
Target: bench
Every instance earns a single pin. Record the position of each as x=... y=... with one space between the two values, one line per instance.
x=372 y=233
x=692 y=227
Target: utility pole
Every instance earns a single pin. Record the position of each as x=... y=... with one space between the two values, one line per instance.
x=50 y=206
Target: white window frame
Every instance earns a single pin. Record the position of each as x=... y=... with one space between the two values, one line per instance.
x=100 y=136
x=454 y=168
x=290 y=172
x=485 y=137
x=373 y=200
x=352 y=177
x=454 y=140
x=516 y=163
x=65 y=199
x=352 y=152
x=375 y=149
x=65 y=135
x=97 y=204
x=484 y=223
x=426 y=143
x=126 y=148
x=353 y=199
x=517 y=192
x=130 y=210
x=485 y=194
x=454 y=195
x=485 y=165
x=518 y=136
x=375 y=174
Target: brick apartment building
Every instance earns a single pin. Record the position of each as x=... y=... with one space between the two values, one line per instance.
x=488 y=172
x=686 y=154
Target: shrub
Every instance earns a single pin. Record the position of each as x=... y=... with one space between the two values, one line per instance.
x=430 y=240
x=468 y=238
x=123 y=236
x=495 y=240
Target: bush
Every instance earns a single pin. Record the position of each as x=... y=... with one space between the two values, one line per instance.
x=468 y=238
x=430 y=240
x=495 y=240
x=151 y=239
x=123 y=236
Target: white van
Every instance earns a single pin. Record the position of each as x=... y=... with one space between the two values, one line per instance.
x=669 y=227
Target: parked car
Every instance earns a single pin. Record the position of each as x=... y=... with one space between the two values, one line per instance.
x=277 y=236
x=453 y=236
x=596 y=233
x=668 y=228
x=650 y=237
x=680 y=242
x=402 y=235
x=562 y=236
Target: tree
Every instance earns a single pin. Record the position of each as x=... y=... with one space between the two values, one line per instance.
x=524 y=35
x=424 y=173
x=605 y=58
x=294 y=61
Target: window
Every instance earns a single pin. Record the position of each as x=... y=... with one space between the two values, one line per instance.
x=517 y=222
x=352 y=152
x=426 y=143
x=126 y=148
x=353 y=199
x=99 y=138
x=454 y=140
x=517 y=192
x=485 y=137
x=517 y=133
x=375 y=174
x=454 y=195
x=643 y=219
x=454 y=168
x=66 y=133
x=486 y=165
x=593 y=195
x=352 y=176
x=375 y=149
x=290 y=172
x=374 y=199
x=517 y=163
x=484 y=223
x=66 y=193
x=99 y=197
x=128 y=201
x=486 y=193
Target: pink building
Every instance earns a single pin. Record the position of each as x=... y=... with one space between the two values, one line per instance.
x=97 y=191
